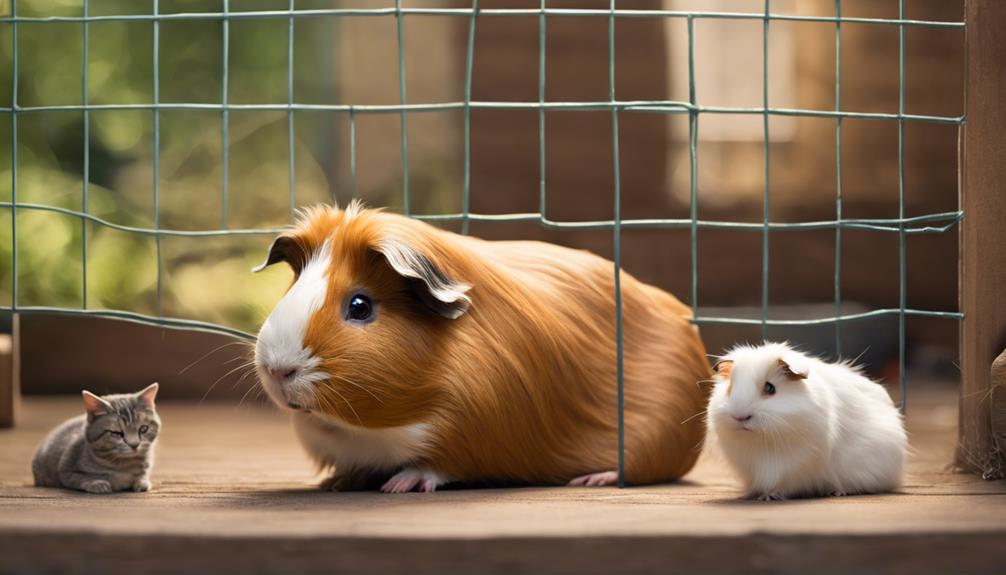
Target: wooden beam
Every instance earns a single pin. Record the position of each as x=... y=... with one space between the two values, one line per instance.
x=983 y=238
x=10 y=374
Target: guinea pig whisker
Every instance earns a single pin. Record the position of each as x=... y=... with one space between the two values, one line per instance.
x=244 y=376
x=243 y=397
x=350 y=405
x=250 y=369
x=703 y=412
x=219 y=379
x=211 y=352
x=354 y=384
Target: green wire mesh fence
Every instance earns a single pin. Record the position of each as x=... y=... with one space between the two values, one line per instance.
x=933 y=223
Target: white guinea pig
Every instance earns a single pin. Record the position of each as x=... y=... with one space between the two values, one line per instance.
x=795 y=426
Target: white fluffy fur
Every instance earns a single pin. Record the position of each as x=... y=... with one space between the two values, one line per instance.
x=834 y=433
x=280 y=344
x=334 y=443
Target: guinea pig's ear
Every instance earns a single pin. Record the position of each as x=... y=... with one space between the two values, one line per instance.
x=724 y=367
x=283 y=249
x=440 y=293
x=793 y=368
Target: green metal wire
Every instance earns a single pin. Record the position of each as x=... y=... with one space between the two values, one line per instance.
x=514 y=12
x=13 y=158
x=901 y=210
x=158 y=321
x=616 y=165
x=541 y=112
x=400 y=21
x=653 y=106
x=877 y=225
x=838 y=176
x=693 y=165
x=86 y=179
x=291 y=137
x=828 y=320
x=765 y=193
x=224 y=116
x=352 y=154
x=903 y=226
x=469 y=59
x=157 y=158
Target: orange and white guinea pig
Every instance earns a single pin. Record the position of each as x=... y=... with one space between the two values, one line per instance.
x=411 y=357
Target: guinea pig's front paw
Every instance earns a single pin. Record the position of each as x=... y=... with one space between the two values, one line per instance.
x=97 y=486
x=770 y=496
x=141 y=485
x=413 y=479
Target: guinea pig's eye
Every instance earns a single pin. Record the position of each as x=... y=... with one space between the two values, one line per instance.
x=769 y=388
x=360 y=308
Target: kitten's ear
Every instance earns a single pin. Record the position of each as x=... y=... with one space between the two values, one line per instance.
x=794 y=368
x=148 y=395
x=94 y=405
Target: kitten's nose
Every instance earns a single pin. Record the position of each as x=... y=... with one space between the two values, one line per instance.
x=742 y=418
x=281 y=374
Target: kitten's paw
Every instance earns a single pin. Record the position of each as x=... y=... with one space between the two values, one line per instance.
x=602 y=479
x=97 y=486
x=408 y=480
x=141 y=485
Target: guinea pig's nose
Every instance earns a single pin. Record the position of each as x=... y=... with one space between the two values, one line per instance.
x=282 y=374
x=742 y=418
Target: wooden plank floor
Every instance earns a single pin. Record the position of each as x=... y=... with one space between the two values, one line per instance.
x=233 y=491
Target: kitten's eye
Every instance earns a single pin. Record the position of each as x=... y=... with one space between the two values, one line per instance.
x=118 y=433
x=769 y=388
x=360 y=308
x=144 y=429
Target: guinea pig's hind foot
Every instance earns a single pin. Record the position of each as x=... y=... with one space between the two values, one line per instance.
x=411 y=479
x=602 y=479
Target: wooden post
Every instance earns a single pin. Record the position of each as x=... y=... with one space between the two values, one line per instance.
x=983 y=238
x=10 y=374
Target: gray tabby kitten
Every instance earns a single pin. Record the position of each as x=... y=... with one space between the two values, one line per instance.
x=109 y=448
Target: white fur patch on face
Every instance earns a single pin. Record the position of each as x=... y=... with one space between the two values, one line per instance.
x=280 y=344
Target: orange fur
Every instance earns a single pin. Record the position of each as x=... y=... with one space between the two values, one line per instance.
x=522 y=387
x=724 y=370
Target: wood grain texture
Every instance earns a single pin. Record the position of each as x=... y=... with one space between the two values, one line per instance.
x=10 y=374
x=983 y=235
x=234 y=493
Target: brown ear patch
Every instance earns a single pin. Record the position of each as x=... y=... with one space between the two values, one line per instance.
x=440 y=293
x=284 y=248
x=724 y=369
x=791 y=371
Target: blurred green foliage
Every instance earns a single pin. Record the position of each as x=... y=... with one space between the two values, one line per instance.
x=203 y=278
